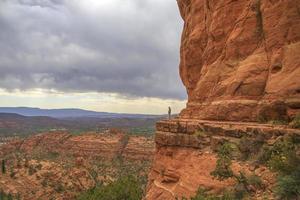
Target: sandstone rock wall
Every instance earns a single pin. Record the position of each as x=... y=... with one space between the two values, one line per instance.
x=240 y=60
x=240 y=64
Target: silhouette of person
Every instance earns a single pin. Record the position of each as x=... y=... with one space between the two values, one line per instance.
x=169 y=112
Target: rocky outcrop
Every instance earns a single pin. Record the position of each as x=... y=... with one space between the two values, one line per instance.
x=86 y=145
x=139 y=148
x=240 y=59
x=240 y=64
x=178 y=172
x=186 y=154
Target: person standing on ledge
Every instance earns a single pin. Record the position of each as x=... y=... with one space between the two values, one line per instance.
x=169 y=112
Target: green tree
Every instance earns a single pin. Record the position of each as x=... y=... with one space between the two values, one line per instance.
x=223 y=169
x=9 y=197
x=3 y=167
x=125 y=188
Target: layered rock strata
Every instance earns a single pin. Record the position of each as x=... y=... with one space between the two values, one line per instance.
x=240 y=59
x=106 y=146
x=186 y=155
x=240 y=64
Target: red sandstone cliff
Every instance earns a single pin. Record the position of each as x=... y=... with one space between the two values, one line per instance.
x=240 y=59
x=240 y=63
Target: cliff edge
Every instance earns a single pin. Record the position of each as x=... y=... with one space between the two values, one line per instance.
x=240 y=64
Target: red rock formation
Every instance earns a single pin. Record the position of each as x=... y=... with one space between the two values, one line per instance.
x=48 y=180
x=240 y=63
x=185 y=171
x=86 y=145
x=240 y=59
x=58 y=165
x=186 y=154
x=139 y=148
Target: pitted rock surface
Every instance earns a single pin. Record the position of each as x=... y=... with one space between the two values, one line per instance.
x=240 y=59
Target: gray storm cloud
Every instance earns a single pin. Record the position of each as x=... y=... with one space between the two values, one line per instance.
x=128 y=47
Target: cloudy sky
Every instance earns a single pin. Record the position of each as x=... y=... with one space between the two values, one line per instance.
x=105 y=55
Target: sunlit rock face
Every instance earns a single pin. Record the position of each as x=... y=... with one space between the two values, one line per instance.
x=240 y=60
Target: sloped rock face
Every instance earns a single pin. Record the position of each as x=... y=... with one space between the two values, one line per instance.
x=240 y=64
x=240 y=59
x=186 y=155
x=179 y=172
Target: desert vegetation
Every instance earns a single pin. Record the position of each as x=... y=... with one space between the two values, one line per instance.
x=296 y=122
x=126 y=187
x=58 y=173
x=281 y=158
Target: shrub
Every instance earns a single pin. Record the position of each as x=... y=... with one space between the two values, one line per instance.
x=39 y=166
x=263 y=155
x=59 y=188
x=12 y=173
x=4 y=196
x=241 y=188
x=44 y=183
x=26 y=164
x=203 y=195
x=283 y=159
x=250 y=146
x=223 y=168
x=288 y=187
x=223 y=171
x=296 y=122
x=127 y=187
x=53 y=155
x=3 y=167
x=31 y=170
x=225 y=150
x=262 y=119
x=240 y=191
x=94 y=175
x=1 y=194
x=199 y=134
x=278 y=122
x=255 y=181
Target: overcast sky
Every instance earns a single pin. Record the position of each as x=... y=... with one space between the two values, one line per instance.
x=106 y=55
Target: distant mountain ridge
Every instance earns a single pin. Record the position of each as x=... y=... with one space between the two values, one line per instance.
x=12 y=124
x=69 y=113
